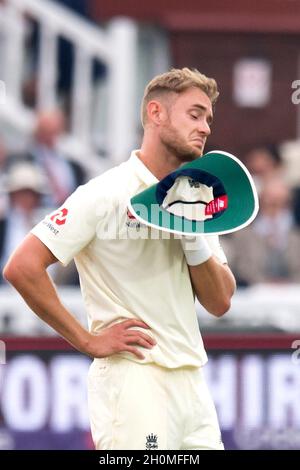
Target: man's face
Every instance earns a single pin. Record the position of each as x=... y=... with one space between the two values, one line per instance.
x=187 y=124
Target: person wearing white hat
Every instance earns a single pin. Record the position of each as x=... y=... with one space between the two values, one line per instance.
x=146 y=386
x=26 y=176
x=25 y=187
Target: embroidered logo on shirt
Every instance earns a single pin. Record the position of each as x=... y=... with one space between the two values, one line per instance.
x=60 y=217
x=130 y=215
x=132 y=221
x=151 y=442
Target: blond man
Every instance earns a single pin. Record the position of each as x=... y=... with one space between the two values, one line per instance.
x=146 y=387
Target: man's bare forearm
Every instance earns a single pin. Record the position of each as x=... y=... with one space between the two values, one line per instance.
x=39 y=293
x=214 y=285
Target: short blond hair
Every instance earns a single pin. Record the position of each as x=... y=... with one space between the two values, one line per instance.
x=177 y=81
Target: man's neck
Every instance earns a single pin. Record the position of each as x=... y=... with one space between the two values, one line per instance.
x=158 y=160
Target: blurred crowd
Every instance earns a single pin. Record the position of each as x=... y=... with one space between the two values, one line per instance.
x=267 y=251
x=38 y=179
x=35 y=182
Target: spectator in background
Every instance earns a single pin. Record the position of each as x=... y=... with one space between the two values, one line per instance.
x=268 y=250
x=268 y=161
x=290 y=151
x=25 y=186
x=264 y=163
x=63 y=175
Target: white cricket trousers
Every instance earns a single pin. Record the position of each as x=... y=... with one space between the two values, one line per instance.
x=144 y=406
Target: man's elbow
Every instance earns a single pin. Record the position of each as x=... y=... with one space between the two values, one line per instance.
x=220 y=308
x=18 y=268
x=11 y=271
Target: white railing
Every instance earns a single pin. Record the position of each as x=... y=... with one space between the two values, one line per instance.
x=260 y=307
x=116 y=47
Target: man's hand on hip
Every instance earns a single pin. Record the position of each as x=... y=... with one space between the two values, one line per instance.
x=120 y=338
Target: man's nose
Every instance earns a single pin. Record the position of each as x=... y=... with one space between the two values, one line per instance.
x=204 y=128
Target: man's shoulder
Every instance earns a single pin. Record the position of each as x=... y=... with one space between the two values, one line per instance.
x=111 y=182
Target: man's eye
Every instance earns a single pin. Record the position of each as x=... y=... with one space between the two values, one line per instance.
x=194 y=116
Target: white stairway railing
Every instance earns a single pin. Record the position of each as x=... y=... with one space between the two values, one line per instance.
x=116 y=47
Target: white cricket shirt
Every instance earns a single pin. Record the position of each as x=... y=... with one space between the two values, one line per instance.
x=127 y=270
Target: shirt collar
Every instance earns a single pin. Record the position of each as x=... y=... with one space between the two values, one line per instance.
x=141 y=170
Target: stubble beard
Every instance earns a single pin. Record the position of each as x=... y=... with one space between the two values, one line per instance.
x=175 y=145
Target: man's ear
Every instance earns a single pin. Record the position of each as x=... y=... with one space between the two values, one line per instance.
x=156 y=112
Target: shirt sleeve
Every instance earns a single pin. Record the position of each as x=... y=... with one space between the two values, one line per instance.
x=214 y=244
x=67 y=230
